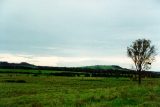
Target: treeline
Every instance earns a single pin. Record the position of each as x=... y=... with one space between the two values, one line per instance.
x=75 y=71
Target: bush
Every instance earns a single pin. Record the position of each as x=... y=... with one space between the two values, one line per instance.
x=15 y=81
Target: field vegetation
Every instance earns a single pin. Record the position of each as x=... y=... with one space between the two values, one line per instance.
x=29 y=90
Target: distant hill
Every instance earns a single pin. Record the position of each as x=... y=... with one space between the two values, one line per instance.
x=25 y=65
x=94 y=71
x=22 y=65
x=103 y=67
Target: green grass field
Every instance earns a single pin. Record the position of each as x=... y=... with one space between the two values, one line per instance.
x=24 y=90
x=28 y=71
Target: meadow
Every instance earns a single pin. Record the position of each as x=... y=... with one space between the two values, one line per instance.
x=28 y=90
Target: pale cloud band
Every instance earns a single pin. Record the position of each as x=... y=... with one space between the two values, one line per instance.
x=64 y=61
x=122 y=61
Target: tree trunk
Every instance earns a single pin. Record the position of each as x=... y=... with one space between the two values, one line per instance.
x=139 y=77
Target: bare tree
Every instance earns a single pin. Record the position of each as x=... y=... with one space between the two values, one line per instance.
x=143 y=54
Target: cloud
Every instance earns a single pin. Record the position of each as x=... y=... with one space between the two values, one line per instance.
x=122 y=61
x=74 y=29
x=38 y=60
x=64 y=61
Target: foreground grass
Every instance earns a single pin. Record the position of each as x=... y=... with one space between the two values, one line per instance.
x=17 y=90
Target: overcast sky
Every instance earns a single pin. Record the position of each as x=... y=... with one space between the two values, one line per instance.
x=76 y=32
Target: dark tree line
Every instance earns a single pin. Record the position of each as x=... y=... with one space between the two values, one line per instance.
x=76 y=71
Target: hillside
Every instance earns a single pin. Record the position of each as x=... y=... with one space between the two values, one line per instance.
x=103 y=67
x=22 y=65
x=30 y=66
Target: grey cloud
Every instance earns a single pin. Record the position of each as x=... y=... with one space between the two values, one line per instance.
x=78 y=27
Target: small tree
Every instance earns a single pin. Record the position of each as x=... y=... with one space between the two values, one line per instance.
x=143 y=54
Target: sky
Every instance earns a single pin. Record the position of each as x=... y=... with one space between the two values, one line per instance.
x=76 y=32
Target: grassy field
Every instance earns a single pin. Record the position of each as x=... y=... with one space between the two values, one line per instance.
x=24 y=90
x=28 y=71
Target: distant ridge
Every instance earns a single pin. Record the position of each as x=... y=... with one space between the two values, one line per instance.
x=25 y=65
x=95 y=70
x=104 y=67
x=22 y=65
x=93 y=67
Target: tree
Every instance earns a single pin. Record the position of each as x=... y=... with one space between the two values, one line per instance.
x=143 y=54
